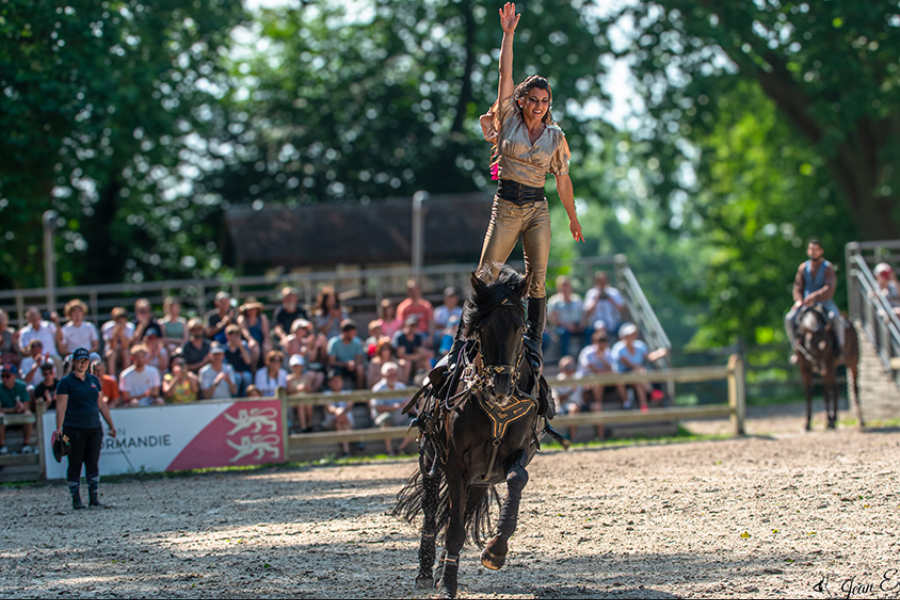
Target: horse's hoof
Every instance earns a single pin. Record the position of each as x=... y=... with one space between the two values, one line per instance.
x=491 y=560
x=444 y=593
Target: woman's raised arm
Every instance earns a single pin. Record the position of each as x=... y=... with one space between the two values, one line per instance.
x=508 y=21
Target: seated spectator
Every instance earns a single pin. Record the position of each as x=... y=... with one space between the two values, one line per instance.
x=9 y=341
x=139 y=384
x=241 y=357
x=604 y=304
x=109 y=388
x=14 y=400
x=390 y=322
x=346 y=354
x=157 y=356
x=887 y=286
x=78 y=333
x=630 y=355
x=46 y=390
x=443 y=313
x=253 y=392
x=311 y=346
x=117 y=333
x=568 y=398
x=254 y=325
x=48 y=332
x=566 y=313
x=329 y=314
x=416 y=306
x=143 y=319
x=196 y=350
x=272 y=376
x=300 y=382
x=30 y=367
x=181 y=386
x=410 y=345
x=338 y=415
x=594 y=360
x=287 y=313
x=447 y=336
x=217 y=378
x=389 y=412
x=220 y=318
x=376 y=332
x=385 y=353
x=173 y=325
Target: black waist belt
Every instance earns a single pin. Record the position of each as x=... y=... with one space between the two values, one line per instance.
x=517 y=193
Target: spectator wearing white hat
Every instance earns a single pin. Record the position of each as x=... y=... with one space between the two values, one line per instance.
x=217 y=379
x=300 y=382
x=887 y=285
x=630 y=355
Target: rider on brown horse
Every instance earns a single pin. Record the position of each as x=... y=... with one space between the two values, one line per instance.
x=815 y=282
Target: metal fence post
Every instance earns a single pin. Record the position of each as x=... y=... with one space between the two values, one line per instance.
x=40 y=408
x=285 y=432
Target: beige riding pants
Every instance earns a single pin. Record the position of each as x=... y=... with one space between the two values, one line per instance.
x=508 y=222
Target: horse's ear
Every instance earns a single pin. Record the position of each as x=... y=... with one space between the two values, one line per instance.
x=477 y=284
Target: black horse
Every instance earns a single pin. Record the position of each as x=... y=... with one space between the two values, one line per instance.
x=816 y=356
x=481 y=429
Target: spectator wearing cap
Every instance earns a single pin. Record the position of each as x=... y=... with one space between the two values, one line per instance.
x=272 y=376
x=181 y=386
x=196 y=349
x=329 y=314
x=410 y=345
x=254 y=326
x=346 y=353
x=887 y=286
x=443 y=313
x=389 y=412
x=219 y=318
x=157 y=356
x=630 y=355
x=595 y=359
x=49 y=332
x=338 y=415
x=390 y=322
x=416 y=306
x=139 y=384
x=604 y=304
x=109 y=388
x=241 y=356
x=14 y=400
x=9 y=341
x=385 y=353
x=143 y=319
x=30 y=367
x=566 y=313
x=173 y=325
x=78 y=333
x=217 y=378
x=45 y=391
x=298 y=382
x=287 y=313
x=117 y=333
x=568 y=398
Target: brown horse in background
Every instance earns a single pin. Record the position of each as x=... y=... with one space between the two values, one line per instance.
x=816 y=356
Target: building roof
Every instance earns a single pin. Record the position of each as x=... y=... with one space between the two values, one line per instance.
x=355 y=233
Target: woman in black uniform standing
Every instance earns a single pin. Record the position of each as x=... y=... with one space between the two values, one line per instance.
x=78 y=410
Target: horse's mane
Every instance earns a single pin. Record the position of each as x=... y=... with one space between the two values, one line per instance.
x=508 y=285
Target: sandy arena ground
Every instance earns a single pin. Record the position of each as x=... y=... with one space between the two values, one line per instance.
x=769 y=515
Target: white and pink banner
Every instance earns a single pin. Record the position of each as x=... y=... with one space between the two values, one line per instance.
x=185 y=436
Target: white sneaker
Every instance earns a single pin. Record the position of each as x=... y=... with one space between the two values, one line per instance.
x=3 y=450
x=27 y=450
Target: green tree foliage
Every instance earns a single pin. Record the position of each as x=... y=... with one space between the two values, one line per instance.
x=766 y=123
x=100 y=104
x=384 y=101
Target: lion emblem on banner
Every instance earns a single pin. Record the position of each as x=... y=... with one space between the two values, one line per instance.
x=257 y=418
x=258 y=444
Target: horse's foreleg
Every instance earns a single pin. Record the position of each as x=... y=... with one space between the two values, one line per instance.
x=446 y=578
x=494 y=554
x=831 y=399
x=808 y=389
x=853 y=388
x=431 y=485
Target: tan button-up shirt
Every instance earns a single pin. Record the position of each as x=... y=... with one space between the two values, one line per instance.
x=522 y=161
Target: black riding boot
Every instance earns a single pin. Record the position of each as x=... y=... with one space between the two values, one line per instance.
x=537 y=318
x=75 y=490
x=93 y=492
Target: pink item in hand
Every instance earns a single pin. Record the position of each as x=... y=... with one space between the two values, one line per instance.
x=495 y=171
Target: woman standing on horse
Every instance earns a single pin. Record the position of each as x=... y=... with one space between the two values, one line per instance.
x=528 y=145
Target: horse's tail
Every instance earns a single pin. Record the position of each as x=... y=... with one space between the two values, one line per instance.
x=479 y=524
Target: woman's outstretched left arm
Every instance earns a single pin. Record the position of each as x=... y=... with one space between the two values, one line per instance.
x=567 y=197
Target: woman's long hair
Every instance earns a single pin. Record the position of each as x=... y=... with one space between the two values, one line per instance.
x=321 y=308
x=521 y=90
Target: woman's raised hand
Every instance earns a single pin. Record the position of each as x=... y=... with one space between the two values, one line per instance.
x=508 y=17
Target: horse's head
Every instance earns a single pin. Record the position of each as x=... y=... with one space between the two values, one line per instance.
x=495 y=315
x=814 y=329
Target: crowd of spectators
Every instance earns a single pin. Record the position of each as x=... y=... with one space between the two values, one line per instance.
x=236 y=350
